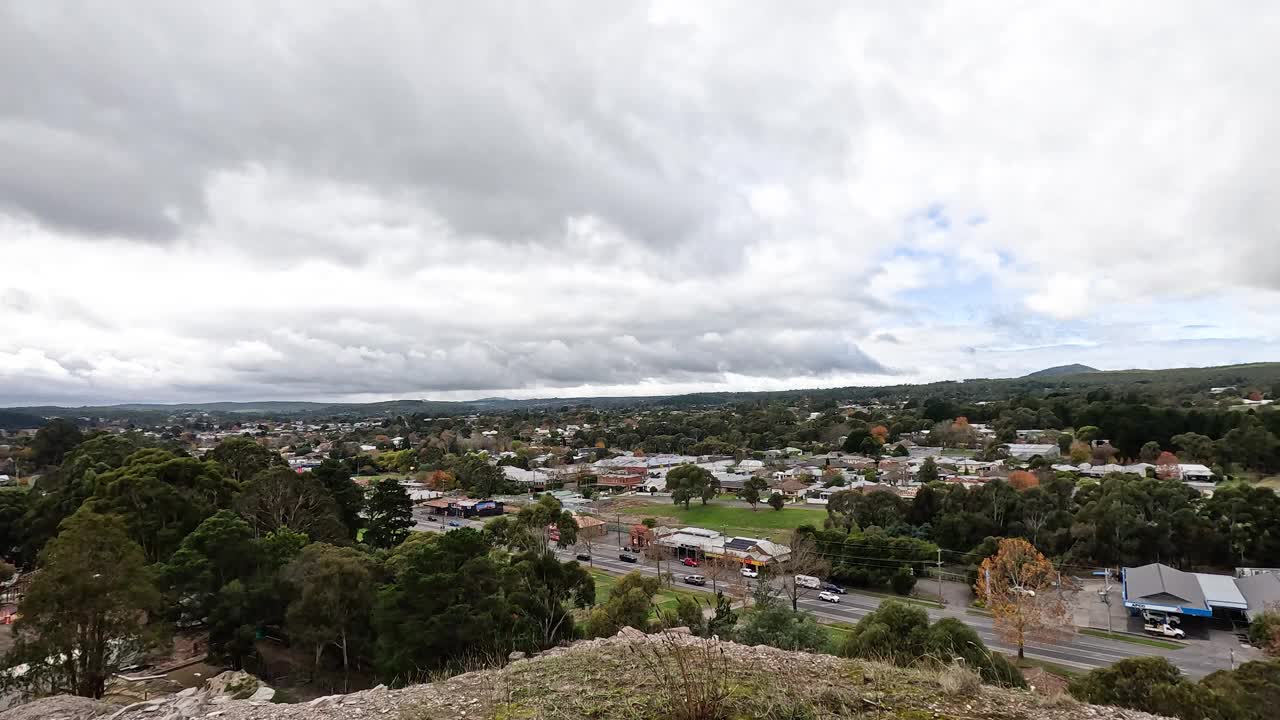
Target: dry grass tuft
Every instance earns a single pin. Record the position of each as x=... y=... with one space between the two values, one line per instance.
x=959 y=681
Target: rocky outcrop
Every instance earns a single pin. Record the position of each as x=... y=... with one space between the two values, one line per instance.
x=631 y=675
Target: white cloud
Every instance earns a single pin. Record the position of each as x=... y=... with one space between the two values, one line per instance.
x=318 y=201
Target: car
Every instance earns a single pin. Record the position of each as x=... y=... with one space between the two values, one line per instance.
x=627 y=557
x=695 y=580
x=828 y=596
x=690 y=562
x=454 y=523
x=1159 y=617
x=583 y=557
x=750 y=572
x=1165 y=629
x=832 y=587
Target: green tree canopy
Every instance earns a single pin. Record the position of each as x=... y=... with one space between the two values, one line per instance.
x=83 y=616
x=242 y=457
x=390 y=514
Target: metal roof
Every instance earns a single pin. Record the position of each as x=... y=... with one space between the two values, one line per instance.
x=1161 y=583
x=1221 y=591
x=1260 y=591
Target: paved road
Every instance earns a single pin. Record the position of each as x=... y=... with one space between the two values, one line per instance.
x=1081 y=652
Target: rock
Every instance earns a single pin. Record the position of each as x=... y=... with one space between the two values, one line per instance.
x=263 y=694
x=188 y=692
x=680 y=631
x=630 y=633
x=516 y=655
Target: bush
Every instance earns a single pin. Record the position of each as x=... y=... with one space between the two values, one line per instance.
x=903 y=581
x=1127 y=683
x=899 y=633
x=1253 y=688
x=1154 y=685
x=1264 y=631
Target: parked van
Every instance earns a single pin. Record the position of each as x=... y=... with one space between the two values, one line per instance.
x=808 y=581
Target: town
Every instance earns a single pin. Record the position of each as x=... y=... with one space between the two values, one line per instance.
x=1068 y=543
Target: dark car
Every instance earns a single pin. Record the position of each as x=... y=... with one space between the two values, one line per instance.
x=583 y=557
x=695 y=580
x=832 y=587
x=454 y=523
x=624 y=557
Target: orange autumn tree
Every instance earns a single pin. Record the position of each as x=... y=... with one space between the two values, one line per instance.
x=1019 y=586
x=1023 y=480
x=880 y=433
x=1167 y=466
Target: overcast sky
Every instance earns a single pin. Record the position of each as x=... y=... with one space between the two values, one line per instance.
x=371 y=200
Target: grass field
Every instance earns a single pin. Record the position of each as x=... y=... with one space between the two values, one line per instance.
x=1135 y=639
x=666 y=599
x=774 y=524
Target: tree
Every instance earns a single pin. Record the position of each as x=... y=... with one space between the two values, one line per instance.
x=14 y=507
x=220 y=550
x=1064 y=443
x=1149 y=452
x=900 y=634
x=752 y=489
x=241 y=457
x=1167 y=466
x=804 y=559
x=1023 y=480
x=691 y=481
x=162 y=497
x=84 y=614
x=900 y=450
x=928 y=471
x=870 y=447
x=1018 y=586
x=774 y=624
x=53 y=441
x=6 y=571
x=629 y=604
x=688 y=613
x=1080 y=452
x=1195 y=447
x=390 y=514
x=280 y=498
x=903 y=581
x=541 y=586
x=724 y=620
x=335 y=596
x=776 y=501
x=444 y=597
x=349 y=497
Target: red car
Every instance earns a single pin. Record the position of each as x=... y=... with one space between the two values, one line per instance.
x=690 y=562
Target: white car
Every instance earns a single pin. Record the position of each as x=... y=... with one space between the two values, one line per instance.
x=828 y=596
x=750 y=572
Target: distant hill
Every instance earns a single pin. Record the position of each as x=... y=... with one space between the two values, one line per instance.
x=1055 y=371
x=1155 y=384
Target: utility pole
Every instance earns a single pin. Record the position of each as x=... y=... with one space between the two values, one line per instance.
x=940 y=598
x=1105 y=595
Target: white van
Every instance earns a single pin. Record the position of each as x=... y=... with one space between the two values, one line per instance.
x=808 y=581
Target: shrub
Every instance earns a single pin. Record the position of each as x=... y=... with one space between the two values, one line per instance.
x=903 y=581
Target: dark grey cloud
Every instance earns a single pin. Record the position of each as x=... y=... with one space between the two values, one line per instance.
x=506 y=120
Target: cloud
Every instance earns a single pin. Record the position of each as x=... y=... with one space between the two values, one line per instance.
x=309 y=199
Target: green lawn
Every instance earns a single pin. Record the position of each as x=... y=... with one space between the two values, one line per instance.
x=1135 y=639
x=666 y=599
x=766 y=521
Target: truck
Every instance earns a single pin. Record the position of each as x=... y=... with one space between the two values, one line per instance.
x=1165 y=629
x=808 y=581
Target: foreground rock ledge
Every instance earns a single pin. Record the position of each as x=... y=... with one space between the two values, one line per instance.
x=627 y=676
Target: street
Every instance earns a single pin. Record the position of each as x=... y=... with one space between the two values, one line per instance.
x=1081 y=652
